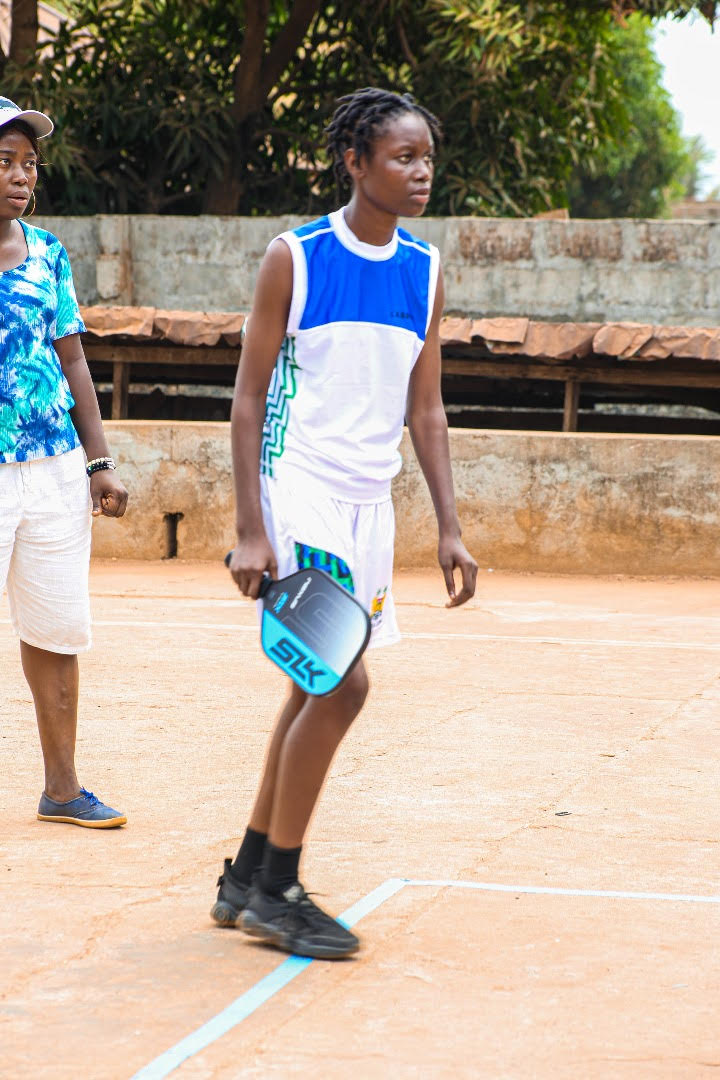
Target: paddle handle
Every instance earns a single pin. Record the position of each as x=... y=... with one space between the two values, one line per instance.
x=264 y=584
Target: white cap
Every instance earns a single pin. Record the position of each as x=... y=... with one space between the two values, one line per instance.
x=41 y=124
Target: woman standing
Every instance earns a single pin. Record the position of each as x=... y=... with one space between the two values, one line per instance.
x=49 y=425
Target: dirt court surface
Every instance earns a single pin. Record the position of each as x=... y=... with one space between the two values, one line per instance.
x=556 y=734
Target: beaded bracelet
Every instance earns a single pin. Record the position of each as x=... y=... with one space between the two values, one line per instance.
x=98 y=464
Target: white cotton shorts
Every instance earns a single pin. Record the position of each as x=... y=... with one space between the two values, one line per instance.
x=353 y=542
x=45 y=527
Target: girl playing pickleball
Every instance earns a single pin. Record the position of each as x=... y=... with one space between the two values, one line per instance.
x=343 y=345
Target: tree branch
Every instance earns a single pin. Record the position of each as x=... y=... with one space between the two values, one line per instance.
x=246 y=82
x=287 y=42
x=404 y=43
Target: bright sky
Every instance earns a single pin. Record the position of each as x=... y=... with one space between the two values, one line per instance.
x=690 y=53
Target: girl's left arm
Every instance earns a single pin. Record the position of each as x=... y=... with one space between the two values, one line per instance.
x=109 y=495
x=427 y=423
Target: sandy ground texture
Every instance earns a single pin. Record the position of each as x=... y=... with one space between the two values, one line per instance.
x=552 y=742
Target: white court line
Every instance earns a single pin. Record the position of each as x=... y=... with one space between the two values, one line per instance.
x=525 y=639
x=155 y=624
x=271 y=984
x=159 y=623
x=545 y=639
x=546 y=890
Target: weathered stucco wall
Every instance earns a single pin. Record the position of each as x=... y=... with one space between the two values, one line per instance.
x=616 y=504
x=662 y=272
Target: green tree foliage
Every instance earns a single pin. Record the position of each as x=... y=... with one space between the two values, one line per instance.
x=693 y=174
x=219 y=105
x=152 y=100
x=524 y=92
x=530 y=96
x=642 y=168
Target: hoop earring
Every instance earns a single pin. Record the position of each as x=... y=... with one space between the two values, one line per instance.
x=34 y=204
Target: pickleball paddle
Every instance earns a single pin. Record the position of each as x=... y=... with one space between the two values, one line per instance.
x=312 y=628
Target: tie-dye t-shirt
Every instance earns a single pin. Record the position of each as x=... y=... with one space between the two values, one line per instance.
x=37 y=306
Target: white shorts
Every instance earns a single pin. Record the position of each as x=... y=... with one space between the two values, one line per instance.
x=353 y=542
x=45 y=525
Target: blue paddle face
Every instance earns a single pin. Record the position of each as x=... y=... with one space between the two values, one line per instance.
x=313 y=629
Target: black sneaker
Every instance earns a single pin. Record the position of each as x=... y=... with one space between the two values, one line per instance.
x=294 y=923
x=231 y=898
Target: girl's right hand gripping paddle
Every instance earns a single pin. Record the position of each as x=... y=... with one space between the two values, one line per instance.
x=312 y=628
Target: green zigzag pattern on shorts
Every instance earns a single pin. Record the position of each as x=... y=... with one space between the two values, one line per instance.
x=283 y=388
x=316 y=559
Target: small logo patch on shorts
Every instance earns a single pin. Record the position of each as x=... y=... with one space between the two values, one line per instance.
x=376 y=609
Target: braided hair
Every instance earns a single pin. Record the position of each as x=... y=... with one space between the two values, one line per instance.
x=358 y=120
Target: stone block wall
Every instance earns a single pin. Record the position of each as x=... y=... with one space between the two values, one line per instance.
x=576 y=504
x=661 y=272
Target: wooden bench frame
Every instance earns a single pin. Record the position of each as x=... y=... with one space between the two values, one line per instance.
x=123 y=357
x=575 y=374
x=628 y=373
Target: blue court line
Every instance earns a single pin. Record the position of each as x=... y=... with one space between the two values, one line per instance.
x=257 y=995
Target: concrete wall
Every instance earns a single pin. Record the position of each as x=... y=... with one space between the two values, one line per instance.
x=616 y=504
x=662 y=272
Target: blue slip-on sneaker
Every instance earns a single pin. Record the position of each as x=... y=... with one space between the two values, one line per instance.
x=86 y=810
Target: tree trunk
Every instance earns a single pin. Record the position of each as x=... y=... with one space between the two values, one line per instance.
x=256 y=73
x=223 y=193
x=23 y=30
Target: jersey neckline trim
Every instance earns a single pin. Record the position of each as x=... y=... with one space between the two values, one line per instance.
x=349 y=240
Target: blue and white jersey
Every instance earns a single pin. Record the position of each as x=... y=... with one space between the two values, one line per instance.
x=357 y=323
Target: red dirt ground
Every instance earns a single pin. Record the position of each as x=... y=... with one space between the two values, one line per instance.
x=558 y=732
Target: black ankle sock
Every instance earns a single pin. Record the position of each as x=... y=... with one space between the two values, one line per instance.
x=250 y=856
x=279 y=868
